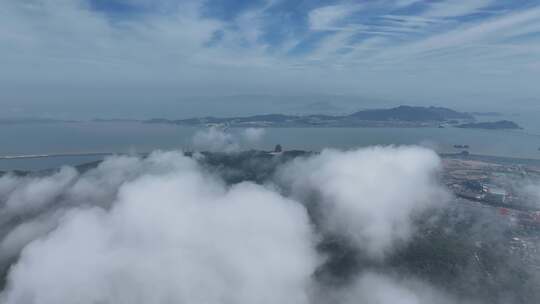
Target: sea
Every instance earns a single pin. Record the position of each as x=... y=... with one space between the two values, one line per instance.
x=58 y=139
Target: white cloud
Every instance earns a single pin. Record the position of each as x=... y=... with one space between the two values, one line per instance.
x=327 y=47
x=383 y=289
x=483 y=32
x=371 y=195
x=99 y=186
x=69 y=32
x=172 y=235
x=166 y=49
x=478 y=51
x=329 y=17
x=403 y=3
x=530 y=190
x=161 y=229
x=253 y=135
x=215 y=139
x=36 y=193
x=21 y=235
x=456 y=8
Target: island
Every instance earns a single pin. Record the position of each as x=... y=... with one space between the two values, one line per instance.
x=402 y=116
x=494 y=125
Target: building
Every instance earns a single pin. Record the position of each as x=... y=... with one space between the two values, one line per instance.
x=495 y=194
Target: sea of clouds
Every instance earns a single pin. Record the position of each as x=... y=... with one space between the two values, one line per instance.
x=172 y=228
x=163 y=229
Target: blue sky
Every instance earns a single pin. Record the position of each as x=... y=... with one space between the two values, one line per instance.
x=457 y=52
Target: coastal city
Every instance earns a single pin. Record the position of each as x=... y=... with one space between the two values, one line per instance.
x=503 y=189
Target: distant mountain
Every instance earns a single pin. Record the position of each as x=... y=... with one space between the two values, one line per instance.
x=115 y=120
x=495 y=125
x=408 y=113
x=402 y=116
x=486 y=114
x=13 y=121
